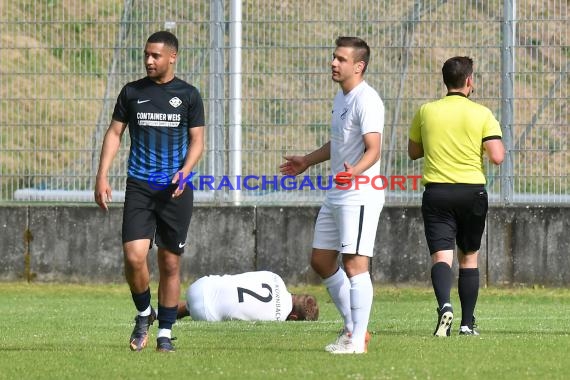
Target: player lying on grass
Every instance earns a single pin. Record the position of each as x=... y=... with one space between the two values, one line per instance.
x=250 y=296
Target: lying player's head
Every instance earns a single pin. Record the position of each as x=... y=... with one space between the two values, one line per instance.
x=305 y=308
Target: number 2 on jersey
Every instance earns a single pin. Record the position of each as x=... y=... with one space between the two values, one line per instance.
x=266 y=298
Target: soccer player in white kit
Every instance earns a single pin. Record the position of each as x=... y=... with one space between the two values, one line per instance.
x=250 y=296
x=348 y=219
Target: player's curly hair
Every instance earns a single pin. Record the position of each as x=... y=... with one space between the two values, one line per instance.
x=305 y=308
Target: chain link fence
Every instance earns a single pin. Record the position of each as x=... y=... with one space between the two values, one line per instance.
x=263 y=68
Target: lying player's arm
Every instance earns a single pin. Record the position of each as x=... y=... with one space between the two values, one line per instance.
x=182 y=310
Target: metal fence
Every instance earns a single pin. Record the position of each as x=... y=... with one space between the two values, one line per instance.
x=263 y=68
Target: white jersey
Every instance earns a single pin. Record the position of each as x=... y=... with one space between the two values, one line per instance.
x=355 y=114
x=250 y=296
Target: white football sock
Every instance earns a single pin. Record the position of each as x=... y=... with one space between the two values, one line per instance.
x=361 y=294
x=338 y=287
x=145 y=313
x=164 y=333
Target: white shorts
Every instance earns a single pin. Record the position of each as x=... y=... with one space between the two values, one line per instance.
x=195 y=300
x=347 y=229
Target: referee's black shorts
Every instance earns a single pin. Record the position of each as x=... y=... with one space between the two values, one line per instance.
x=454 y=213
x=152 y=213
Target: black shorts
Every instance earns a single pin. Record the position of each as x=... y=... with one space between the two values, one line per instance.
x=454 y=213
x=153 y=214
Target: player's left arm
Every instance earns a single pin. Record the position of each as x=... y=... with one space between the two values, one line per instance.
x=195 y=151
x=372 y=142
x=370 y=111
x=495 y=150
x=492 y=142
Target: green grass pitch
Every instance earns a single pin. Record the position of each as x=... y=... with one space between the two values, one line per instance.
x=54 y=331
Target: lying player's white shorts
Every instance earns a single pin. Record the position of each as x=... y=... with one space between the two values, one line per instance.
x=195 y=300
x=347 y=229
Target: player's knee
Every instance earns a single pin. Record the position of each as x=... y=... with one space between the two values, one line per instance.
x=323 y=268
x=134 y=262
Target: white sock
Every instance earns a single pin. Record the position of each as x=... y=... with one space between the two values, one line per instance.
x=361 y=294
x=338 y=287
x=145 y=312
x=164 y=333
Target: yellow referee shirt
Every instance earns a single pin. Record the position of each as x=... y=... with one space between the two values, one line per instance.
x=452 y=131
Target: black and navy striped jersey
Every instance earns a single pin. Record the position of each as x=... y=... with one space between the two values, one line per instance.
x=159 y=117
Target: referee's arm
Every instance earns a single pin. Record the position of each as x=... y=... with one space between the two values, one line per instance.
x=415 y=150
x=495 y=149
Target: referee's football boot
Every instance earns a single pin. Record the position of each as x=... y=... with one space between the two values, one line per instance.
x=444 y=320
x=164 y=344
x=139 y=336
x=469 y=329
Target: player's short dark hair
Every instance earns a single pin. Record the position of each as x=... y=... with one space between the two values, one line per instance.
x=456 y=70
x=164 y=37
x=305 y=308
x=361 y=48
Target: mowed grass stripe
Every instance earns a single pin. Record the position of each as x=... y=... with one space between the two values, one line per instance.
x=81 y=331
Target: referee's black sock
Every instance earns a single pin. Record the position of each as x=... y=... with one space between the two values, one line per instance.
x=468 y=289
x=441 y=279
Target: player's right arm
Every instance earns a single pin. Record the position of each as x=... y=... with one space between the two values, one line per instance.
x=415 y=150
x=295 y=165
x=111 y=144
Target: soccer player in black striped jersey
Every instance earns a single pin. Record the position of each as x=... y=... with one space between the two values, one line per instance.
x=165 y=117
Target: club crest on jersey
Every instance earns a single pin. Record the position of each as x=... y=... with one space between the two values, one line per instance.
x=175 y=102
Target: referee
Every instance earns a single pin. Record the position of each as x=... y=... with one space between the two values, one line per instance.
x=451 y=134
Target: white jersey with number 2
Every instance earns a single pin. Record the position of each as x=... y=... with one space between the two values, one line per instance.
x=250 y=296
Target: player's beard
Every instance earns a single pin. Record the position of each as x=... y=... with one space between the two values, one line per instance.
x=157 y=75
x=153 y=73
x=337 y=78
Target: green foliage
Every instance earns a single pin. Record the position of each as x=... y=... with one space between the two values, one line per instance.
x=81 y=331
